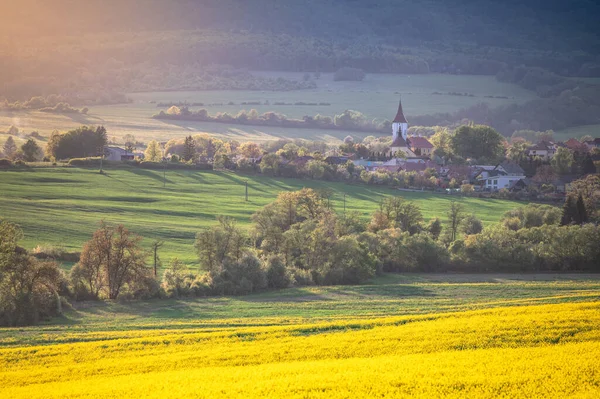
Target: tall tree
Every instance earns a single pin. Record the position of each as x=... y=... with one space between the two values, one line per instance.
x=189 y=149
x=30 y=150
x=10 y=148
x=153 y=152
x=582 y=216
x=455 y=217
x=569 y=211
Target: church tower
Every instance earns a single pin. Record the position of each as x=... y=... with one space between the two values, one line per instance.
x=400 y=124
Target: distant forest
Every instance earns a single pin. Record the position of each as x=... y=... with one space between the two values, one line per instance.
x=94 y=51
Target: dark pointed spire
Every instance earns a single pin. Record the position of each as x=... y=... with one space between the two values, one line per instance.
x=400 y=118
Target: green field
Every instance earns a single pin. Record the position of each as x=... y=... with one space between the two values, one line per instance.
x=377 y=97
x=63 y=206
x=385 y=296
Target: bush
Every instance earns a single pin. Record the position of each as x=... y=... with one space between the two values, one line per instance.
x=56 y=253
x=278 y=276
x=86 y=162
x=5 y=163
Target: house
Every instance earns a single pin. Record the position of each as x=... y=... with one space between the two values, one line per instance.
x=543 y=149
x=576 y=145
x=518 y=185
x=504 y=175
x=420 y=145
x=399 y=134
x=118 y=154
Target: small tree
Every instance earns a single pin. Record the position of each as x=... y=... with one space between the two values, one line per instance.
x=30 y=150
x=221 y=243
x=569 y=212
x=455 y=217
x=10 y=148
x=582 y=216
x=129 y=141
x=471 y=225
x=435 y=228
x=153 y=152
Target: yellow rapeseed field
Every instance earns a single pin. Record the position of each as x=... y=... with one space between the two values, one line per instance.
x=546 y=351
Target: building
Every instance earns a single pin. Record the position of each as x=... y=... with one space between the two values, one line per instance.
x=543 y=149
x=576 y=145
x=504 y=175
x=591 y=144
x=399 y=134
x=420 y=146
x=118 y=154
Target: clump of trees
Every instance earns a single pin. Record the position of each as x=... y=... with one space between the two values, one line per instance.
x=30 y=289
x=82 y=142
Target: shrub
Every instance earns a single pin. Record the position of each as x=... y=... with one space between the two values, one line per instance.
x=278 y=276
x=5 y=163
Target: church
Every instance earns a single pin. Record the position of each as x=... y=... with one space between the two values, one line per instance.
x=411 y=147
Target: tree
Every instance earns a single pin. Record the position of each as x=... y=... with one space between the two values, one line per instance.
x=562 y=160
x=220 y=244
x=471 y=225
x=544 y=175
x=569 y=212
x=189 y=149
x=405 y=215
x=250 y=150
x=153 y=152
x=479 y=142
x=101 y=140
x=30 y=150
x=582 y=216
x=29 y=288
x=517 y=152
x=589 y=189
x=435 y=228
x=174 y=279
x=129 y=141
x=156 y=259
x=84 y=141
x=455 y=217
x=112 y=260
x=10 y=148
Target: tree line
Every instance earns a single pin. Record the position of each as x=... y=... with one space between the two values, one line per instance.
x=299 y=240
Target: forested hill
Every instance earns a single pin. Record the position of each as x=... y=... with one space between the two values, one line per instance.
x=556 y=25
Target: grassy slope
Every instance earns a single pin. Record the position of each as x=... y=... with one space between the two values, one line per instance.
x=62 y=206
x=376 y=97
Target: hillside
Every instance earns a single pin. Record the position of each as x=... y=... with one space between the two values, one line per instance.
x=63 y=206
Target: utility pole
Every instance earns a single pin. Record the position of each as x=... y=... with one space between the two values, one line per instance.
x=246 y=190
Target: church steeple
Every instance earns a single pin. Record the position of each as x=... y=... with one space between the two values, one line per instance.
x=400 y=124
x=400 y=118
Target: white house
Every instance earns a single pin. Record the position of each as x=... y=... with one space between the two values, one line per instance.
x=118 y=154
x=504 y=175
x=543 y=149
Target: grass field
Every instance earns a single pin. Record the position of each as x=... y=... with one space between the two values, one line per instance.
x=377 y=97
x=409 y=335
x=63 y=206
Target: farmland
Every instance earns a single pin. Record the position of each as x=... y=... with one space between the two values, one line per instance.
x=376 y=97
x=63 y=206
x=401 y=335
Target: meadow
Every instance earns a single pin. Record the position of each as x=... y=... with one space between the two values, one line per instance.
x=407 y=335
x=377 y=97
x=62 y=206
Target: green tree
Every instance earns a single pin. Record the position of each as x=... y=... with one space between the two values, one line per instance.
x=153 y=152
x=10 y=148
x=479 y=142
x=562 y=160
x=455 y=216
x=220 y=244
x=569 y=211
x=30 y=150
x=582 y=216
x=189 y=149
x=435 y=228
x=471 y=225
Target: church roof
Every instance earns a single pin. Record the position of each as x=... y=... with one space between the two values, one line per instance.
x=400 y=118
x=419 y=142
x=399 y=142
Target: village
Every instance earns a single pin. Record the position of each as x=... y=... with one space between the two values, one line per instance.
x=544 y=169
